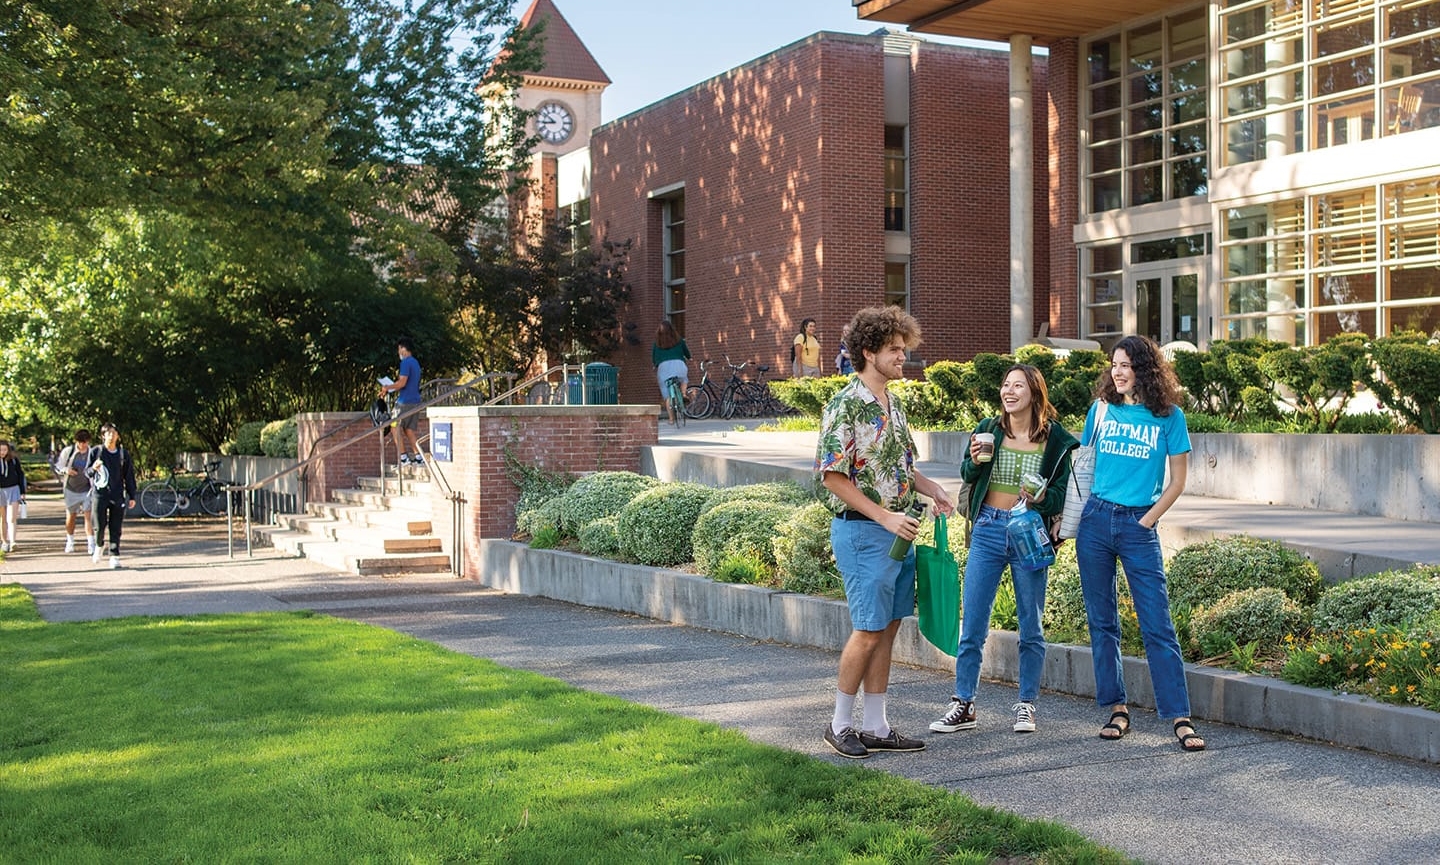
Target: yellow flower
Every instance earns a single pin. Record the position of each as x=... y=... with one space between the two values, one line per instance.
x=1394 y=690
x=1425 y=645
x=1324 y=657
x=1410 y=688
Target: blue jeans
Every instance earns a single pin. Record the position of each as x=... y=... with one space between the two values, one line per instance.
x=990 y=551
x=1109 y=532
x=878 y=589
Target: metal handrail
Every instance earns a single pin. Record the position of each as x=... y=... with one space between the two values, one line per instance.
x=457 y=499
x=315 y=457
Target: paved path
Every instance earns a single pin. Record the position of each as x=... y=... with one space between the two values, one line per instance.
x=1251 y=797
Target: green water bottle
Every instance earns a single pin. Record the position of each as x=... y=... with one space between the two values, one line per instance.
x=900 y=548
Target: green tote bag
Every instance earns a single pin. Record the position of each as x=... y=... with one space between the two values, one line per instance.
x=937 y=591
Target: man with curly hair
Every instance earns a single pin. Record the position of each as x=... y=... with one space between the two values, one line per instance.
x=866 y=461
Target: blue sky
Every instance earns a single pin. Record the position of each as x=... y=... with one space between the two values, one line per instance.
x=654 y=48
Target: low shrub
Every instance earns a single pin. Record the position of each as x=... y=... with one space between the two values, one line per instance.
x=597 y=495
x=280 y=438
x=536 y=484
x=743 y=528
x=601 y=538
x=804 y=561
x=781 y=492
x=1389 y=664
x=544 y=516
x=547 y=538
x=1202 y=574
x=654 y=528
x=1393 y=599
x=247 y=439
x=736 y=568
x=1264 y=615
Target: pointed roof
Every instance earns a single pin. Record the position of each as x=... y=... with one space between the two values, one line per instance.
x=566 y=57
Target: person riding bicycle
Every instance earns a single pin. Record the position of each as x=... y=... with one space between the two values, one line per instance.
x=670 y=357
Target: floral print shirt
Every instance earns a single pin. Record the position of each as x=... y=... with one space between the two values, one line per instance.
x=868 y=445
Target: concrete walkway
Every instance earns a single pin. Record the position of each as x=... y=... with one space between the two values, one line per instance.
x=1251 y=797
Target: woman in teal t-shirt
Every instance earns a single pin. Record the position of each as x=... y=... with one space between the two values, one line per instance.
x=670 y=357
x=1143 y=434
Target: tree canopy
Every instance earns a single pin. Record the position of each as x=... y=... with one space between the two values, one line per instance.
x=214 y=211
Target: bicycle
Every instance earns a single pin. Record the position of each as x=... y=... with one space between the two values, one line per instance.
x=741 y=395
x=675 y=400
x=162 y=498
x=701 y=399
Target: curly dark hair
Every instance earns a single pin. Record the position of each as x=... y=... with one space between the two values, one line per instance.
x=1041 y=411
x=874 y=327
x=1155 y=383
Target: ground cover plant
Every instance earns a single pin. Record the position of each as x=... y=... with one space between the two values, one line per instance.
x=291 y=737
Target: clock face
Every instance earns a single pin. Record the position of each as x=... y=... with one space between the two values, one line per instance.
x=554 y=122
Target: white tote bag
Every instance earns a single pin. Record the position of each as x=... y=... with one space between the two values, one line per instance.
x=1082 y=474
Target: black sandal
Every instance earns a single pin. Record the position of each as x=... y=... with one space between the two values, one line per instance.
x=1114 y=726
x=1185 y=740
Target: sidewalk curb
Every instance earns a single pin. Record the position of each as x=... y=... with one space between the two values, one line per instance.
x=1224 y=696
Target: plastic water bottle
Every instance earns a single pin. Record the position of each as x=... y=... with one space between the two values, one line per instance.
x=900 y=548
x=1026 y=531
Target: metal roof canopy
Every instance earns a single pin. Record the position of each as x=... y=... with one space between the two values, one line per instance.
x=1045 y=21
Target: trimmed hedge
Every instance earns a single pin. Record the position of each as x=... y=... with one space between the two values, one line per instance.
x=655 y=527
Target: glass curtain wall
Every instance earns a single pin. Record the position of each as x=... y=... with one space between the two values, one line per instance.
x=1363 y=260
x=1303 y=75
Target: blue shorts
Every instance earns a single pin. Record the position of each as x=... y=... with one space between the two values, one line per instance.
x=878 y=589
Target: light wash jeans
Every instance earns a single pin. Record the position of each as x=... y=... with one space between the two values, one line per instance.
x=1109 y=532
x=990 y=551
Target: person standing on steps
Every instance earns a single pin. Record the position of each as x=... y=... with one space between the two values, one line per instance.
x=865 y=459
x=1028 y=439
x=1142 y=435
x=12 y=495
x=75 y=482
x=406 y=388
x=113 y=474
x=805 y=351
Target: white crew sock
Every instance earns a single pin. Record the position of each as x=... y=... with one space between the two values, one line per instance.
x=844 y=711
x=874 y=720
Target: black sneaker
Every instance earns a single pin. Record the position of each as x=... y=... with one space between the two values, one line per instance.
x=846 y=743
x=959 y=716
x=892 y=742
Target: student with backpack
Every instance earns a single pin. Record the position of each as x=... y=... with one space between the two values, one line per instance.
x=113 y=474
x=75 y=482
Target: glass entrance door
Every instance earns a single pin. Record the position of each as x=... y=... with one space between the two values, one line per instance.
x=1167 y=297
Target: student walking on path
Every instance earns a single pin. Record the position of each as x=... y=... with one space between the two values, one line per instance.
x=71 y=466
x=866 y=460
x=1028 y=439
x=1142 y=435
x=114 y=475
x=12 y=495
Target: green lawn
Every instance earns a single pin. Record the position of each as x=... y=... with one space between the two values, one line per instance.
x=301 y=738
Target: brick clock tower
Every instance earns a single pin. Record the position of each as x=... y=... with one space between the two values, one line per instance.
x=565 y=96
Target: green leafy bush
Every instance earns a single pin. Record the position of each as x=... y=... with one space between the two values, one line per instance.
x=654 y=528
x=546 y=515
x=1202 y=574
x=536 y=484
x=1262 y=615
x=1405 y=375
x=280 y=438
x=804 y=561
x=601 y=494
x=601 y=538
x=547 y=538
x=738 y=528
x=737 y=568
x=783 y=492
x=809 y=395
x=247 y=439
x=1393 y=599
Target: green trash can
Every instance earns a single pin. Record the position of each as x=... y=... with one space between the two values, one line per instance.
x=602 y=384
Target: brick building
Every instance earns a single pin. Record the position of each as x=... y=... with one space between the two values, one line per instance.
x=837 y=172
